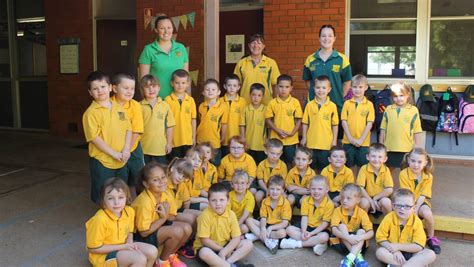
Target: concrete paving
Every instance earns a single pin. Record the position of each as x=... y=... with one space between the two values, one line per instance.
x=44 y=203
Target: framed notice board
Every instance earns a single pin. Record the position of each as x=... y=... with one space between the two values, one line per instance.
x=68 y=55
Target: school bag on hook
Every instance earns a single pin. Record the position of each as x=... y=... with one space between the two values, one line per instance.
x=448 y=114
x=382 y=99
x=427 y=105
x=466 y=111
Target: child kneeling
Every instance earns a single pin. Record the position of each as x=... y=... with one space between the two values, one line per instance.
x=218 y=234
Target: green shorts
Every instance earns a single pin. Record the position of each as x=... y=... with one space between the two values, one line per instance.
x=99 y=174
x=111 y=256
x=289 y=154
x=258 y=156
x=356 y=155
x=320 y=159
x=297 y=200
x=159 y=159
x=135 y=165
x=395 y=159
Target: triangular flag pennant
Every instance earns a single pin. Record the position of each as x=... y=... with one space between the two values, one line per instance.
x=187 y=49
x=174 y=36
x=194 y=76
x=175 y=23
x=191 y=17
x=184 y=20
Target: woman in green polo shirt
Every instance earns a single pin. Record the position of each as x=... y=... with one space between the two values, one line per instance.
x=327 y=61
x=163 y=56
x=257 y=68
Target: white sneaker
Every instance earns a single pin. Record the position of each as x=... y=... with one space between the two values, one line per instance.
x=320 y=248
x=290 y=243
x=250 y=236
x=272 y=245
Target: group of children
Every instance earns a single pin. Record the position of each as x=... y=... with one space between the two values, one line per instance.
x=201 y=194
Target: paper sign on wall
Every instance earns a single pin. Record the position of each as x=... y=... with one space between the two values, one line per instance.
x=234 y=48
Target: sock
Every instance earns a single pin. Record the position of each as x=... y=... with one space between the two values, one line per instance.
x=351 y=257
x=299 y=244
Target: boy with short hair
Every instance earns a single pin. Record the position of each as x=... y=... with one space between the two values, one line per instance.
x=351 y=227
x=241 y=199
x=184 y=110
x=108 y=131
x=275 y=215
x=235 y=105
x=269 y=167
x=401 y=236
x=123 y=86
x=252 y=123
x=320 y=123
x=221 y=247
x=357 y=117
x=336 y=173
x=376 y=181
x=298 y=178
x=283 y=117
x=316 y=212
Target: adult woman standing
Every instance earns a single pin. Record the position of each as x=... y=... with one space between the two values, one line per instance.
x=327 y=61
x=257 y=68
x=163 y=56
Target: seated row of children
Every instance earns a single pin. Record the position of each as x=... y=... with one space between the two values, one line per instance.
x=165 y=212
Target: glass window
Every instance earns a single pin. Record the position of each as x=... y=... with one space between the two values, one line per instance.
x=451 y=48
x=452 y=8
x=383 y=8
x=4 y=47
x=380 y=60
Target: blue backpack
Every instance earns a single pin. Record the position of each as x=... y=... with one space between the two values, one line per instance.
x=381 y=100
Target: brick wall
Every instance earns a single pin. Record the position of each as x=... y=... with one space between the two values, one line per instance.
x=291 y=29
x=67 y=95
x=192 y=37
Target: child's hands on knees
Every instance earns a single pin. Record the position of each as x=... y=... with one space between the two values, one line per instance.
x=398 y=256
x=305 y=235
x=352 y=239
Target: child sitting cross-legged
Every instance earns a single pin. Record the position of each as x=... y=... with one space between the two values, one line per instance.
x=241 y=199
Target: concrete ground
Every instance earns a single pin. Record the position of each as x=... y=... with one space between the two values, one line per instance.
x=44 y=203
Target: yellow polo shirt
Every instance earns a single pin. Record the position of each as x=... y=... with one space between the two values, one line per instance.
x=105 y=228
x=338 y=180
x=181 y=192
x=247 y=203
x=265 y=72
x=264 y=171
x=219 y=228
x=400 y=125
x=210 y=123
x=145 y=208
x=284 y=113
x=320 y=121
x=412 y=232
x=281 y=212
x=229 y=165
x=407 y=179
x=109 y=124
x=374 y=184
x=357 y=115
x=156 y=120
x=359 y=219
x=236 y=108
x=319 y=214
x=134 y=113
x=294 y=178
x=211 y=175
x=199 y=183
x=183 y=113
x=255 y=130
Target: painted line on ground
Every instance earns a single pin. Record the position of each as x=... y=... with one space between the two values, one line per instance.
x=11 y=172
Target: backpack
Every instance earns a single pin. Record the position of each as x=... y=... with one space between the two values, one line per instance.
x=382 y=99
x=427 y=105
x=448 y=114
x=466 y=111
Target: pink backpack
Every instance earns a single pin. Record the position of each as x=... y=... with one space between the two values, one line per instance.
x=466 y=117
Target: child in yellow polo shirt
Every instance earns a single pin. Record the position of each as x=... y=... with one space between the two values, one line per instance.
x=235 y=105
x=241 y=200
x=401 y=236
x=337 y=173
x=252 y=123
x=218 y=235
x=108 y=131
x=109 y=233
x=158 y=121
x=351 y=227
x=213 y=116
x=237 y=160
x=320 y=123
x=200 y=185
x=184 y=110
x=283 y=117
x=376 y=182
x=208 y=169
x=357 y=117
x=400 y=130
x=155 y=211
x=316 y=212
x=417 y=176
x=269 y=167
x=298 y=178
x=275 y=215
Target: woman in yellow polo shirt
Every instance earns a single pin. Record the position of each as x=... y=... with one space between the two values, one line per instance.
x=257 y=68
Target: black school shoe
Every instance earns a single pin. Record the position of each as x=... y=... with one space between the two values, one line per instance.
x=433 y=244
